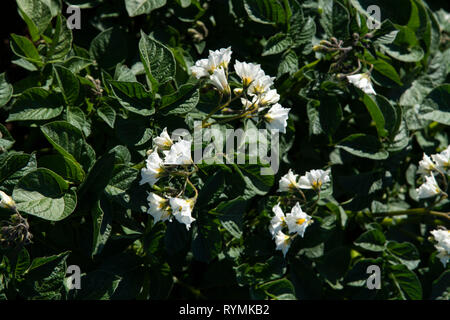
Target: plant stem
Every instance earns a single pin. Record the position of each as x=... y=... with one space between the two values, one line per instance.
x=422 y=211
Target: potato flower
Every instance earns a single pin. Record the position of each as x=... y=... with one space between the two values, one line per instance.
x=153 y=170
x=297 y=220
x=362 y=81
x=429 y=188
x=158 y=208
x=288 y=182
x=314 y=179
x=442 y=238
x=276 y=118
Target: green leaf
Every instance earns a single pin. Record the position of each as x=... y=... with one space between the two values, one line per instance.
x=372 y=240
x=102 y=225
x=288 y=63
x=6 y=90
x=158 y=60
x=45 y=277
x=138 y=7
x=64 y=166
x=405 y=48
x=98 y=176
x=69 y=84
x=405 y=253
x=385 y=34
x=61 y=41
x=231 y=215
x=406 y=281
x=250 y=179
x=6 y=140
x=36 y=14
x=23 y=262
x=24 y=48
x=76 y=117
x=69 y=141
x=335 y=19
x=133 y=97
x=182 y=101
x=441 y=287
x=436 y=106
x=302 y=31
x=382 y=113
x=14 y=165
x=281 y=289
x=421 y=86
x=364 y=146
x=384 y=69
x=265 y=11
x=44 y=194
x=108 y=114
x=277 y=44
x=36 y=104
x=118 y=188
x=109 y=47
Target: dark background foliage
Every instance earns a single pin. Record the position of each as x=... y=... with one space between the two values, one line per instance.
x=372 y=147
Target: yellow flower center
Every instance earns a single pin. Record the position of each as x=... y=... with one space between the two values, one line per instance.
x=316 y=184
x=300 y=221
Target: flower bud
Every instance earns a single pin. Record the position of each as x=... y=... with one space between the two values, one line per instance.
x=238 y=91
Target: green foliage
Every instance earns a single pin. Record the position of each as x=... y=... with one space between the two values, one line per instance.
x=80 y=109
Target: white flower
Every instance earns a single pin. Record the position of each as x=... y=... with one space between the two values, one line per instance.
x=278 y=220
x=163 y=141
x=179 y=153
x=297 y=221
x=426 y=165
x=260 y=85
x=153 y=170
x=443 y=244
x=6 y=201
x=442 y=159
x=288 y=182
x=220 y=81
x=314 y=179
x=205 y=67
x=269 y=97
x=220 y=58
x=158 y=208
x=429 y=188
x=248 y=72
x=283 y=242
x=362 y=81
x=276 y=118
x=182 y=210
x=201 y=68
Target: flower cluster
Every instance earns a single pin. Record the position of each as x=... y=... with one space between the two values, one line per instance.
x=295 y=222
x=256 y=93
x=175 y=161
x=429 y=167
x=313 y=179
x=442 y=237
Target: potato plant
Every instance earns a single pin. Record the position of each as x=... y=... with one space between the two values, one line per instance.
x=203 y=149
